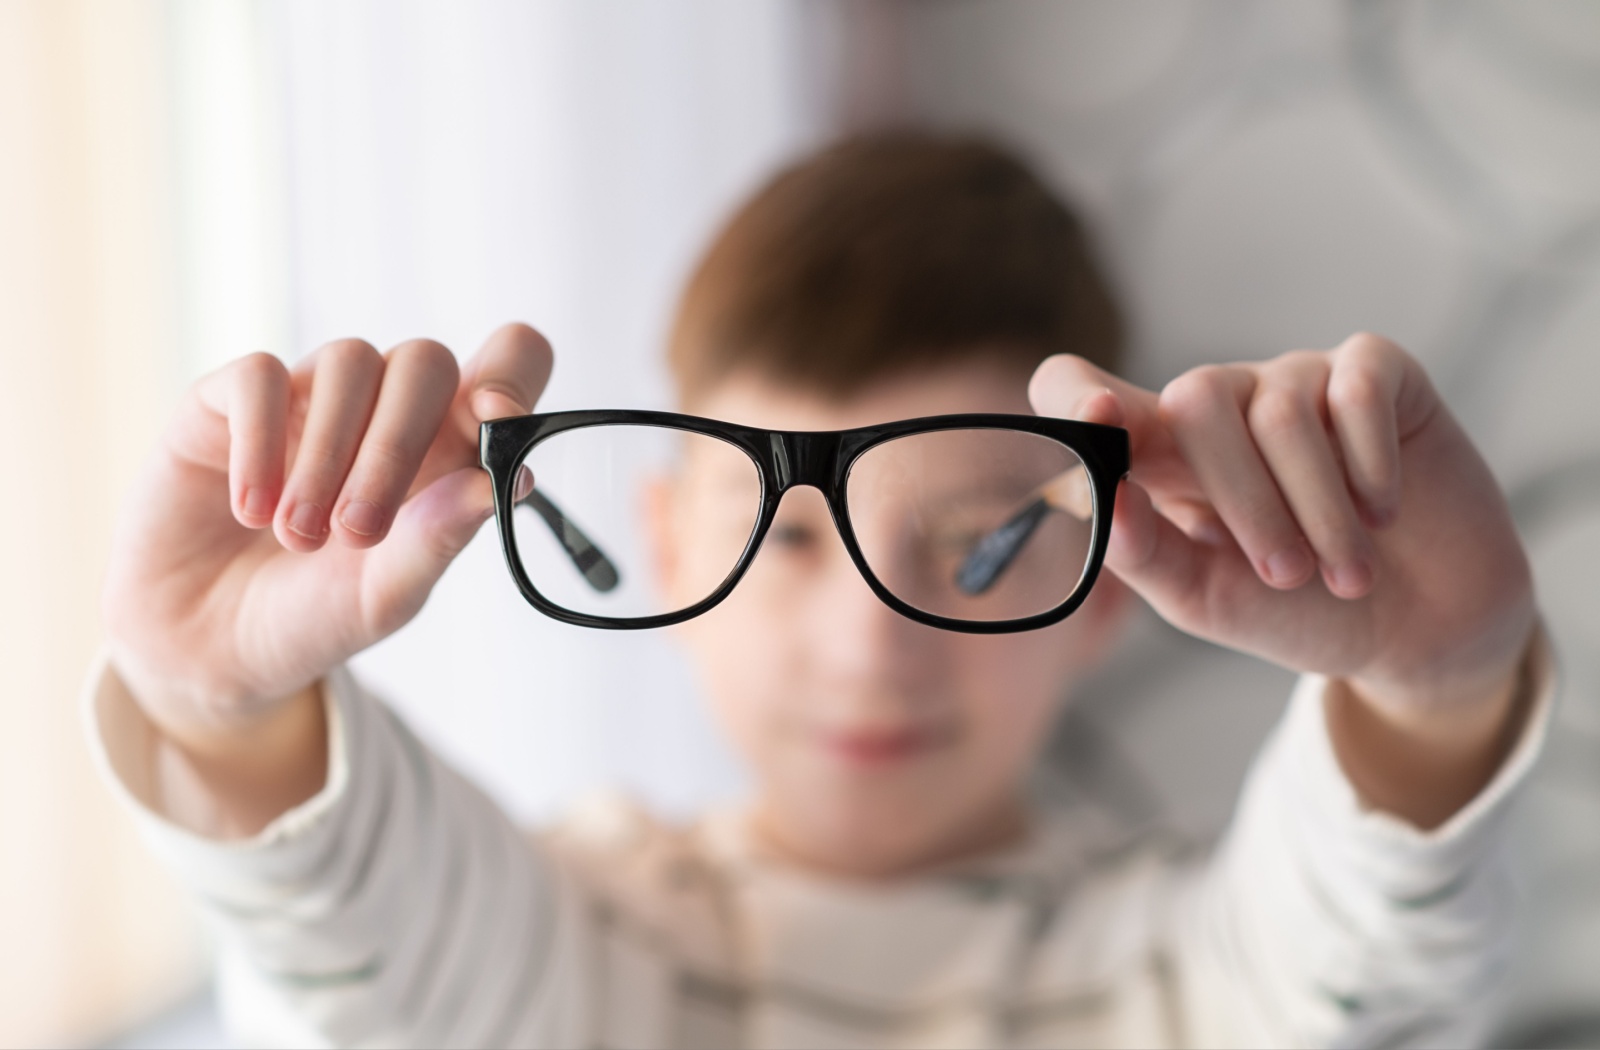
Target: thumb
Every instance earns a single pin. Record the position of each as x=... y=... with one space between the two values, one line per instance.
x=506 y=377
x=1149 y=553
x=1069 y=387
x=431 y=528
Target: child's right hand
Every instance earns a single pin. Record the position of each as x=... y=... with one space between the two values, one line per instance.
x=293 y=517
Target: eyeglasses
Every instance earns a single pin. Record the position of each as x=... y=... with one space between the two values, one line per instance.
x=982 y=523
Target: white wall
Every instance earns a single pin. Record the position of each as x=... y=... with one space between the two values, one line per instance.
x=456 y=166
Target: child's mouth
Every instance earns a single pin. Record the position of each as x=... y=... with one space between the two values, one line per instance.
x=878 y=747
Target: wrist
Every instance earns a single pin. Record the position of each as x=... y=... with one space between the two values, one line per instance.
x=233 y=787
x=1451 y=693
x=1422 y=754
x=199 y=713
x=1460 y=714
x=224 y=771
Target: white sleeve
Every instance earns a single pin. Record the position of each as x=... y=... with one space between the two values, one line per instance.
x=1322 y=923
x=399 y=906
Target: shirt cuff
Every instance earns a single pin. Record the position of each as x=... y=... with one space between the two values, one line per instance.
x=1318 y=787
x=123 y=742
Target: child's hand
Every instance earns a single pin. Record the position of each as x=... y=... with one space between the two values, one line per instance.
x=291 y=518
x=1324 y=511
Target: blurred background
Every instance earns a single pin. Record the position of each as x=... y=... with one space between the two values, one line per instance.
x=186 y=181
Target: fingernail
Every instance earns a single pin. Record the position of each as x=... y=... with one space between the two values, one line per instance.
x=492 y=404
x=306 y=520
x=1105 y=391
x=362 y=516
x=1287 y=566
x=257 y=503
x=1352 y=578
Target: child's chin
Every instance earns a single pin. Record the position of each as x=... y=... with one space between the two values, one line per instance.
x=878 y=825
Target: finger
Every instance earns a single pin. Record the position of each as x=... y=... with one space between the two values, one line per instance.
x=1286 y=420
x=1065 y=385
x=1102 y=406
x=506 y=377
x=1197 y=519
x=257 y=426
x=1364 y=392
x=1148 y=551
x=431 y=528
x=250 y=399
x=344 y=386
x=1204 y=408
x=419 y=382
x=1153 y=557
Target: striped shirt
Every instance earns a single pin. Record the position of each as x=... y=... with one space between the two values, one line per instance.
x=401 y=907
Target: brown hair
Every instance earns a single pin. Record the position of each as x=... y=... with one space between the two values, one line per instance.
x=886 y=253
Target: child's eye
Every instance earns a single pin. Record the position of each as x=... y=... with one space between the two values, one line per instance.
x=954 y=541
x=794 y=537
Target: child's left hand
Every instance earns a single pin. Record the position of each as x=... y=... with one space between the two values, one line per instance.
x=1324 y=511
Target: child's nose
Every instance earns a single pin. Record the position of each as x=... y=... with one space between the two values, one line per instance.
x=858 y=637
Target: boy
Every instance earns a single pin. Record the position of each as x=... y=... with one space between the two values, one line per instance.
x=885 y=885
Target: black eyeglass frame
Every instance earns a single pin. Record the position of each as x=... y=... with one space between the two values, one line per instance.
x=786 y=459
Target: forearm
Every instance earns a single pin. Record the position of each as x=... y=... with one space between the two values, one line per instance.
x=1325 y=920
x=233 y=786
x=397 y=906
x=1424 y=761
x=220 y=770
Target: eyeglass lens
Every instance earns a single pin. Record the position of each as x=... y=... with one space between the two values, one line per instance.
x=979 y=525
x=628 y=521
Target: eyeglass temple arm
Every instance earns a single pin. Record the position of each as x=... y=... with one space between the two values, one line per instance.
x=995 y=552
x=590 y=560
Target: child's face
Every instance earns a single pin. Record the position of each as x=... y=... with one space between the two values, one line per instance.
x=877 y=744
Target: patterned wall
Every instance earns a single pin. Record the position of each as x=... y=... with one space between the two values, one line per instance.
x=1266 y=176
